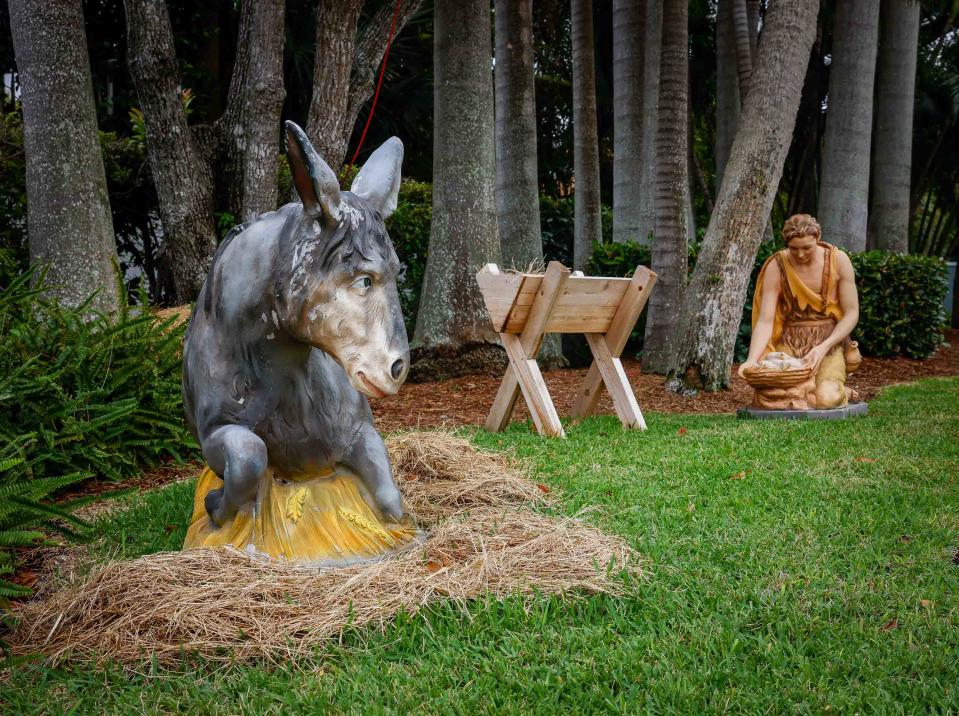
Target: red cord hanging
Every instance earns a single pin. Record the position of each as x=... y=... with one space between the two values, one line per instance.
x=379 y=82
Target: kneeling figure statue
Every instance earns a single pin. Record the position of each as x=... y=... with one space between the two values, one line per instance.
x=297 y=323
x=804 y=309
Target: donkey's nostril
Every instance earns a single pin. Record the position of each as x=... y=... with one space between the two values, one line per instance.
x=397 y=369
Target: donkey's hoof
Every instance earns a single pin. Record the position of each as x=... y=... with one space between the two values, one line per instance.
x=390 y=503
x=215 y=504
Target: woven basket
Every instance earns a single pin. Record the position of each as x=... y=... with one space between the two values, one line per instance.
x=775 y=378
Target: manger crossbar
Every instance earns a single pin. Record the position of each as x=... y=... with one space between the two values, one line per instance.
x=525 y=306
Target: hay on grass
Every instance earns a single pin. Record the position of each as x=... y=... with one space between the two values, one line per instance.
x=440 y=473
x=227 y=605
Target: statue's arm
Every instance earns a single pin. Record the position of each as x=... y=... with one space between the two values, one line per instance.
x=849 y=303
x=763 y=329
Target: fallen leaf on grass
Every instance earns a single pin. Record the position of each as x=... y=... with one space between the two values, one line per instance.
x=739 y=475
x=925 y=602
x=864 y=459
x=691 y=507
x=682 y=431
x=890 y=625
x=542 y=487
x=905 y=539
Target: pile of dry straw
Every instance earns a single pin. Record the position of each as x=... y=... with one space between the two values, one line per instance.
x=483 y=539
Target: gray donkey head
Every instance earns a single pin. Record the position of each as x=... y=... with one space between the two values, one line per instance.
x=336 y=287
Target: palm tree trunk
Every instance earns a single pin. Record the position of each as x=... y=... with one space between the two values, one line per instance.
x=628 y=27
x=744 y=53
x=653 y=41
x=69 y=224
x=892 y=144
x=669 y=251
x=727 y=86
x=701 y=353
x=517 y=178
x=844 y=192
x=517 y=192
x=588 y=226
x=453 y=332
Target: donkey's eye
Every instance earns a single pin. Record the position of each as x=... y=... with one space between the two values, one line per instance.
x=363 y=283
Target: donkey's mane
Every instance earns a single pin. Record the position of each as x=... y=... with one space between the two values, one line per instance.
x=359 y=237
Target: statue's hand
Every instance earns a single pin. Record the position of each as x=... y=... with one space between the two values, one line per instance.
x=744 y=366
x=815 y=356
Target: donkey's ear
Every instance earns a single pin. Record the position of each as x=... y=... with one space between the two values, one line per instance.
x=379 y=180
x=315 y=182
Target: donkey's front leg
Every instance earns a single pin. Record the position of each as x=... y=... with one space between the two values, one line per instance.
x=367 y=457
x=239 y=457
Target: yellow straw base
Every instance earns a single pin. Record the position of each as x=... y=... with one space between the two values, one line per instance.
x=325 y=520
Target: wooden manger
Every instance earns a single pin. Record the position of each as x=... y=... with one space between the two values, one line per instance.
x=525 y=306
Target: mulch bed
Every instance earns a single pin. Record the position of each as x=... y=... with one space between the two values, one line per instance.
x=467 y=400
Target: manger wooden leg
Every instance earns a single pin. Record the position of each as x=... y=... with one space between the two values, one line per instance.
x=534 y=390
x=634 y=300
x=611 y=370
x=530 y=339
x=504 y=402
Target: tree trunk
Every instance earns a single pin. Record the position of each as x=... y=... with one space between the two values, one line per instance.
x=701 y=353
x=588 y=226
x=250 y=128
x=183 y=179
x=453 y=331
x=669 y=252
x=653 y=44
x=329 y=124
x=752 y=16
x=628 y=28
x=68 y=211
x=892 y=144
x=744 y=54
x=517 y=192
x=844 y=191
x=727 y=86
x=517 y=178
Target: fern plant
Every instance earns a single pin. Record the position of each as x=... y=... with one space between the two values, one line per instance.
x=26 y=514
x=81 y=396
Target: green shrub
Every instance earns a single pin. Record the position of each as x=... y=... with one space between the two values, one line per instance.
x=900 y=303
x=409 y=228
x=13 y=197
x=557 y=220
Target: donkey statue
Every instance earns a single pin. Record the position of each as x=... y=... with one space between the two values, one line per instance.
x=297 y=323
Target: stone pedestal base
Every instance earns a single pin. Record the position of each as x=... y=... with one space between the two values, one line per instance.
x=835 y=414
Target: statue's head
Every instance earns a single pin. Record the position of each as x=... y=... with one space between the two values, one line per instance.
x=339 y=293
x=801 y=234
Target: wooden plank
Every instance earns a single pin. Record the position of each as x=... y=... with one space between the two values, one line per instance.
x=613 y=375
x=567 y=319
x=500 y=291
x=530 y=339
x=620 y=326
x=509 y=296
x=534 y=389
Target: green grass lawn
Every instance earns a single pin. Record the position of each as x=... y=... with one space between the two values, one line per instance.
x=794 y=567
